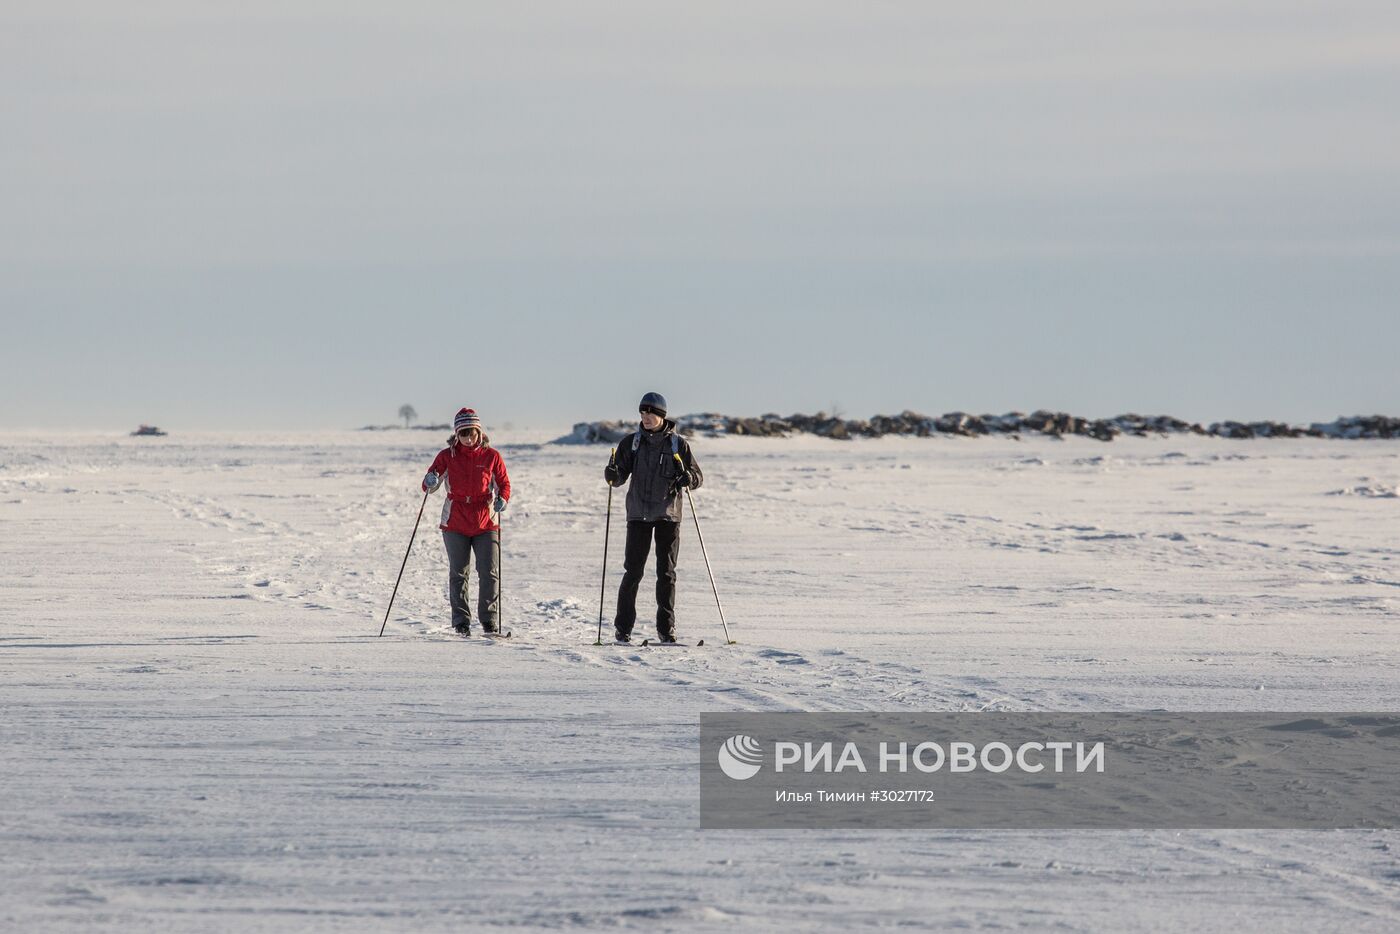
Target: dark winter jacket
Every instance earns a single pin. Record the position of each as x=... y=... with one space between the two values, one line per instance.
x=474 y=477
x=652 y=468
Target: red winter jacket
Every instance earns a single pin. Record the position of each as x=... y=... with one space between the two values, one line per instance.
x=469 y=475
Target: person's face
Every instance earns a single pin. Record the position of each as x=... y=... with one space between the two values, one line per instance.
x=650 y=420
x=469 y=436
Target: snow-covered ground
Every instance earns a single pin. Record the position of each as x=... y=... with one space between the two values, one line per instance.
x=201 y=731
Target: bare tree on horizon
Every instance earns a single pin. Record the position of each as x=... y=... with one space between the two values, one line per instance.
x=407 y=413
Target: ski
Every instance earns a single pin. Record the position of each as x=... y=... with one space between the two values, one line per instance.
x=484 y=635
x=656 y=643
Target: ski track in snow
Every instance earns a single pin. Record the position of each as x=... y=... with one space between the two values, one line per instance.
x=205 y=733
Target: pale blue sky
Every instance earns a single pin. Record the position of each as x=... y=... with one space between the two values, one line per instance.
x=306 y=213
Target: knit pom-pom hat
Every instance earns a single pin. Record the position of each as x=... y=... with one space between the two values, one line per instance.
x=466 y=418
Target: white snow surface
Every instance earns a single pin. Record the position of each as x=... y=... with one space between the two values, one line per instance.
x=201 y=730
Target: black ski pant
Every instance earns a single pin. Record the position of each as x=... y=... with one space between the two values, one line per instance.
x=634 y=563
x=460 y=549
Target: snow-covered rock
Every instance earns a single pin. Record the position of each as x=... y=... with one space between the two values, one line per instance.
x=1358 y=426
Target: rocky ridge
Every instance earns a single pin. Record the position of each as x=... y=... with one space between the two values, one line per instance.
x=1056 y=424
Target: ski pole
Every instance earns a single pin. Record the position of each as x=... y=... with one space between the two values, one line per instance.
x=690 y=499
x=607 y=529
x=500 y=568
x=405 y=562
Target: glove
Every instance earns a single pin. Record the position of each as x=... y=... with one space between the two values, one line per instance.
x=501 y=505
x=610 y=474
x=682 y=482
x=431 y=482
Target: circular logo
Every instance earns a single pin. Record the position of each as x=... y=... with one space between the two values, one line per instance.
x=740 y=757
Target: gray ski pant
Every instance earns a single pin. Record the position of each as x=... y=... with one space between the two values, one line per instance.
x=460 y=549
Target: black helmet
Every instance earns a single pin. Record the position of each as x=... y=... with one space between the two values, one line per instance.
x=653 y=400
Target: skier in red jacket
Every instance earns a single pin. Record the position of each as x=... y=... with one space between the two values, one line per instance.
x=478 y=491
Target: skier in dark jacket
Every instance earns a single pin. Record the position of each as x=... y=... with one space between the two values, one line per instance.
x=659 y=464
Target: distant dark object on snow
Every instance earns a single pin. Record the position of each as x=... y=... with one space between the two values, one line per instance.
x=1055 y=424
x=442 y=427
x=148 y=431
